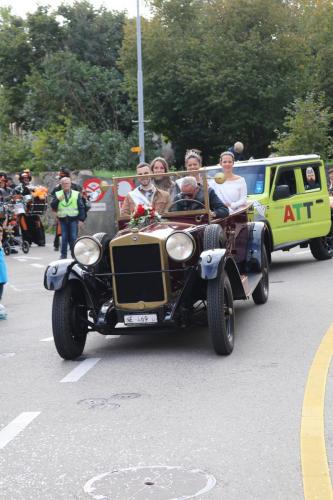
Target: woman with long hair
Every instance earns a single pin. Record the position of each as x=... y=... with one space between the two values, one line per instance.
x=159 y=165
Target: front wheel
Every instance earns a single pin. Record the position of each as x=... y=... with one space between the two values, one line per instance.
x=220 y=314
x=69 y=315
x=322 y=248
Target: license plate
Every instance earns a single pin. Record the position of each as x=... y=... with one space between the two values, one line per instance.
x=140 y=319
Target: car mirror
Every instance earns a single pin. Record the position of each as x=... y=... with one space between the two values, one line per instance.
x=281 y=192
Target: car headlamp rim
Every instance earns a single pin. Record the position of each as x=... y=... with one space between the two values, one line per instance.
x=191 y=240
x=98 y=248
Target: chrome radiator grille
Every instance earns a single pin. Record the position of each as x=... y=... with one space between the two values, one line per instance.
x=142 y=281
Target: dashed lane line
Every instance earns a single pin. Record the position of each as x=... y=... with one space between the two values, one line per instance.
x=316 y=475
x=39 y=266
x=16 y=426
x=80 y=370
x=26 y=257
x=47 y=339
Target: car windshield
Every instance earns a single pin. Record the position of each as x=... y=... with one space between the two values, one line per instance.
x=254 y=176
x=175 y=194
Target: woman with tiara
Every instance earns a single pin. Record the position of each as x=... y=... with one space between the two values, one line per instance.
x=233 y=191
x=193 y=162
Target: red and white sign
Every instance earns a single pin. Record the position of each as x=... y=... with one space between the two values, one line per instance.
x=124 y=187
x=92 y=186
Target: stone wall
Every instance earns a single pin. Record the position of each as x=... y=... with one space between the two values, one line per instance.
x=101 y=217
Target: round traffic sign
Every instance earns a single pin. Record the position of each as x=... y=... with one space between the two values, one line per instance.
x=93 y=188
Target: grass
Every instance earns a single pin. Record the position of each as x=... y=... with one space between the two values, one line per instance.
x=108 y=174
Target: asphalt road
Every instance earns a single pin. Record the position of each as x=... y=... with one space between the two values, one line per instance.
x=162 y=417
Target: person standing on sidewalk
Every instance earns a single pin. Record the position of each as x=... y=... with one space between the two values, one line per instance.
x=71 y=212
x=63 y=172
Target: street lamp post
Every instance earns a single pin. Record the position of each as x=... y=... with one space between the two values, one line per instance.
x=140 y=86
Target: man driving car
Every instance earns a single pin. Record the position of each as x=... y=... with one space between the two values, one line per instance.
x=191 y=197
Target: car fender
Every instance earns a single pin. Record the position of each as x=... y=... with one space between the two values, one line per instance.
x=209 y=262
x=254 y=247
x=214 y=261
x=59 y=272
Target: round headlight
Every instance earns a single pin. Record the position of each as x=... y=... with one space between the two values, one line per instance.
x=87 y=251
x=180 y=246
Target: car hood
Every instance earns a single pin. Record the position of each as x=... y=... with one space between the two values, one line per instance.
x=160 y=230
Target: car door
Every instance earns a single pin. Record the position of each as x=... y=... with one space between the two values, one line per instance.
x=315 y=196
x=286 y=211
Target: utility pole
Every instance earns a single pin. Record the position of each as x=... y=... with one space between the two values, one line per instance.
x=141 y=122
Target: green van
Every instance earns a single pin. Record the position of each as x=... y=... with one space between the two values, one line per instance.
x=295 y=211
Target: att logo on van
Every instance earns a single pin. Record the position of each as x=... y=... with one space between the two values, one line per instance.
x=295 y=211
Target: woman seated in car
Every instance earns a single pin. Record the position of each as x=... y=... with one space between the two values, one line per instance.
x=232 y=191
x=159 y=165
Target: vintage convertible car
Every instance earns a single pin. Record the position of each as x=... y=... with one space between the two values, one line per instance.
x=159 y=272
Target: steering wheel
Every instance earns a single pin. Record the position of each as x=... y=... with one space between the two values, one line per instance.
x=187 y=199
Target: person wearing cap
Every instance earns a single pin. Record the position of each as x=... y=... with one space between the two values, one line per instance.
x=31 y=225
x=146 y=194
x=238 y=151
x=310 y=177
x=63 y=172
x=330 y=182
x=71 y=213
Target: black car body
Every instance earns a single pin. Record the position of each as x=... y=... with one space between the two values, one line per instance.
x=158 y=276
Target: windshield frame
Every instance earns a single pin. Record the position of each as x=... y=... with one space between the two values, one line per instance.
x=165 y=215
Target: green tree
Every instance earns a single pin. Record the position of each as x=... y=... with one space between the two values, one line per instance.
x=218 y=71
x=15 y=59
x=67 y=86
x=306 y=128
x=15 y=151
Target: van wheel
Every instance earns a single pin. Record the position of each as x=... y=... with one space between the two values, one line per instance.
x=322 y=248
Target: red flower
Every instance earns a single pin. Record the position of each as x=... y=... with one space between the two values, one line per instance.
x=152 y=213
x=140 y=211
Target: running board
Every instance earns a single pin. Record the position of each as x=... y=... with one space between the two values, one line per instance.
x=250 y=282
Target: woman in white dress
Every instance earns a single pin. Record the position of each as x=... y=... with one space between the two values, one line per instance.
x=233 y=190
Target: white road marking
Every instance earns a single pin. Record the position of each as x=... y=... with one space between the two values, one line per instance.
x=47 y=339
x=28 y=258
x=40 y=266
x=20 y=259
x=112 y=336
x=14 y=287
x=302 y=251
x=16 y=426
x=80 y=370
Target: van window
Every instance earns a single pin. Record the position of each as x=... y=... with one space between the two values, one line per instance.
x=254 y=176
x=287 y=177
x=311 y=177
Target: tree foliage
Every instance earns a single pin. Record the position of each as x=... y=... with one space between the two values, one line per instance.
x=306 y=128
x=214 y=72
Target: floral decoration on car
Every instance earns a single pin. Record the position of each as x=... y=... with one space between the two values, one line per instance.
x=143 y=217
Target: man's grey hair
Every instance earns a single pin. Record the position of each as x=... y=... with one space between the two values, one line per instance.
x=189 y=181
x=64 y=179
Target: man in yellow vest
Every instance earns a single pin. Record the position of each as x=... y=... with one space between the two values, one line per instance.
x=71 y=213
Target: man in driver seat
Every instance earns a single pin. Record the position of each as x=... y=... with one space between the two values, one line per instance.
x=191 y=197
